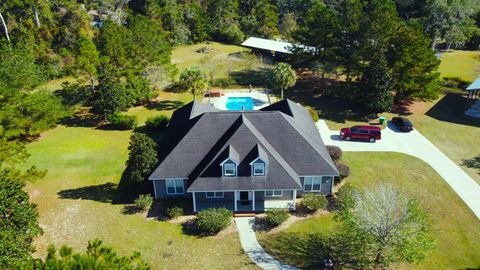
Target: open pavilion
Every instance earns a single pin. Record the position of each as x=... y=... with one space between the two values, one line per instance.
x=472 y=104
x=276 y=48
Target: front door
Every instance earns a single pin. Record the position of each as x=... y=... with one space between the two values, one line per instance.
x=243 y=195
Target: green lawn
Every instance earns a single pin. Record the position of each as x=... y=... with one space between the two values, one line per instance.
x=442 y=121
x=185 y=56
x=74 y=200
x=464 y=65
x=457 y=229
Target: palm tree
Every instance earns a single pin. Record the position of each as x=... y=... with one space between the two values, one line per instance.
x=194 y=81
x=284 y=76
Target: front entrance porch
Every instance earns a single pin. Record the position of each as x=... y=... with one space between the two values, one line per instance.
x=244 y=200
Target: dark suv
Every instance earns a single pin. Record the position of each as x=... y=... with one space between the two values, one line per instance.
x=368 y=133
x=403 y=123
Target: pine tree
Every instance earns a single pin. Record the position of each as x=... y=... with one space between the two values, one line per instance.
x=376 y=85
x=141 y=159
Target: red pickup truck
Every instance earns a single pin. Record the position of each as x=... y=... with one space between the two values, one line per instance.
x=368 y=133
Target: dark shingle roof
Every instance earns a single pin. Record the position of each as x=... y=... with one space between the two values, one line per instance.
x=200 y=137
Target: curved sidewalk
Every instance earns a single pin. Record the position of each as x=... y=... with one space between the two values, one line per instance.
x=250 y=245
x=414 y=144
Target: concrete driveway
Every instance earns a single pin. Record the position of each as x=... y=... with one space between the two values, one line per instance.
x=414 y=144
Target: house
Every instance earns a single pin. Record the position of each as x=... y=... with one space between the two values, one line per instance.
x=243 y=160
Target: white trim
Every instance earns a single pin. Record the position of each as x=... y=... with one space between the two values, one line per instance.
x=175 y=186
x=321 y=177
x=214 y=195
x=234 y=169
x=258 y=174
x=311 y=188
x=155 y=189
x=273 y=193
x=221 y=164
x=255 y=160
x=233 y=190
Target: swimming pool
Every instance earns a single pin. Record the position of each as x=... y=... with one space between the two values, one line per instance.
x=239 y=103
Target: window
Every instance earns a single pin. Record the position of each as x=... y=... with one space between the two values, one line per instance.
x=229 y=169
x=259 y=168
x=210 y=195
x=175 y=186
x=273 y=193
x=312 y=183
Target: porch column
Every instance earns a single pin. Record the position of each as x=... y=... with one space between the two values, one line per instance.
x=194 y=202
x=253 y=200
x=235 y=201
x=294 y=199
x=333 y=184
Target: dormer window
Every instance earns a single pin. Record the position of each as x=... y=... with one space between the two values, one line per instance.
x=259 y=168
x=229 y=169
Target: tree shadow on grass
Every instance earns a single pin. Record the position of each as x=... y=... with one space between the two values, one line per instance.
x=174 y=88
x=99 y=193
x=257 y=77
x=451 y=109
x=164 y=105
x=299 y=249
x=82 y=119
x=473 y=163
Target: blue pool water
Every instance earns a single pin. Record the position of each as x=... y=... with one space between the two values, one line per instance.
x=239 y=103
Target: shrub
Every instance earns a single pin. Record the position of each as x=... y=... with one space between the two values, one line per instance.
x=174 y=212
x=313 y=113
x=276 y=216
x=343 y=170
x=158 y=122
x=213 y=220
x=123 y=122
x=313 y=202
x=345 y=197
x=143 y=201
x=335 y=152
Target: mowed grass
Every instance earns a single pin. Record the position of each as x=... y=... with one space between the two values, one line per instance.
x=464 y=65
x=457 y=230
x=75 y=200
x=185 y=56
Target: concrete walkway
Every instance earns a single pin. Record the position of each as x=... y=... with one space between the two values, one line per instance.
x=414 y=144
x=250 y=245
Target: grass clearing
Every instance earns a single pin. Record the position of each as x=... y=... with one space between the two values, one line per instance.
x=75 y=199
x=464 y=65
x=185 y=56
x=456 y=227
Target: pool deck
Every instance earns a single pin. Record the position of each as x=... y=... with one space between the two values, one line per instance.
x=259 y=97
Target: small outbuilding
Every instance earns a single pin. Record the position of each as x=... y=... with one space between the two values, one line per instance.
x=276 y=48
x=472 y=104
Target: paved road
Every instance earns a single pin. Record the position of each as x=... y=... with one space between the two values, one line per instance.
x=250 y=245
x=415 y=144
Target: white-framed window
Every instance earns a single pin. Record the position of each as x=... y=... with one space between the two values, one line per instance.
x=217 y=194
x=273 y=193
x=229 y=169
x=259 y=168
x=312 y=183
x=175 y=186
